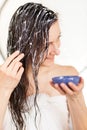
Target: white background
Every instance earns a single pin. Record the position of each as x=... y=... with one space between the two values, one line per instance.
x=73 y=23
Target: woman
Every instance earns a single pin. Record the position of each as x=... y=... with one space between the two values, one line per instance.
x=28 y=98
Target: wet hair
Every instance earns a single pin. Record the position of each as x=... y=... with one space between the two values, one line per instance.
x=29 y=33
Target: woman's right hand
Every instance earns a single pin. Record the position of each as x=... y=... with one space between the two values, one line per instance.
x=11 y=71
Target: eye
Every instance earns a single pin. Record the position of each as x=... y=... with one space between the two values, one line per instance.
x=59 y=36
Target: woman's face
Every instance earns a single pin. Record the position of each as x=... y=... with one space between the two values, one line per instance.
x=54 y=43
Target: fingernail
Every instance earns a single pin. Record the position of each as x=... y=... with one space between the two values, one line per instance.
x=18 y=51
x=22 y=54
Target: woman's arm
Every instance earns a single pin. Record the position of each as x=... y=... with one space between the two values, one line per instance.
x=10 y=75
x=76 y=103
x=4 y=98
x=78 y=112
x=77 y=107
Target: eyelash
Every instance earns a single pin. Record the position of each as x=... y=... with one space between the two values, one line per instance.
x=57 y=39
x=59 y=36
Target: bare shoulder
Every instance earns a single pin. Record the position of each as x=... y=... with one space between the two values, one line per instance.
x=72 y=70
x=66 y=70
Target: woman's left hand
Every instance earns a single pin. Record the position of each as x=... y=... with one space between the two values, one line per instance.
x=71 y=89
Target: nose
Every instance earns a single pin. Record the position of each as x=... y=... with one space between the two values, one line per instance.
x=55 y=48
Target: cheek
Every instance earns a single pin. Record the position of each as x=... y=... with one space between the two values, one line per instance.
x=45 y=55
x=50 y=49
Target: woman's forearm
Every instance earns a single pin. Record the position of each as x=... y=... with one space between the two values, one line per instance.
x=10 y=74
x=4 y=99
x=78 y=112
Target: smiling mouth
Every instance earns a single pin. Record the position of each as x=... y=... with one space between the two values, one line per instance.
x=50 y=58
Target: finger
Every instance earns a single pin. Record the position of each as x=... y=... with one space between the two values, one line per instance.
x=10 y=58
x=78 y=87
x=58 y=88
x=16 y=68
x=16 y=60
x=81 y=82
x=20 y=72
x=66 y=89
x=73 y=87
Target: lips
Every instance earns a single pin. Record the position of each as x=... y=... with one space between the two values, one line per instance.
x=50 y=58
